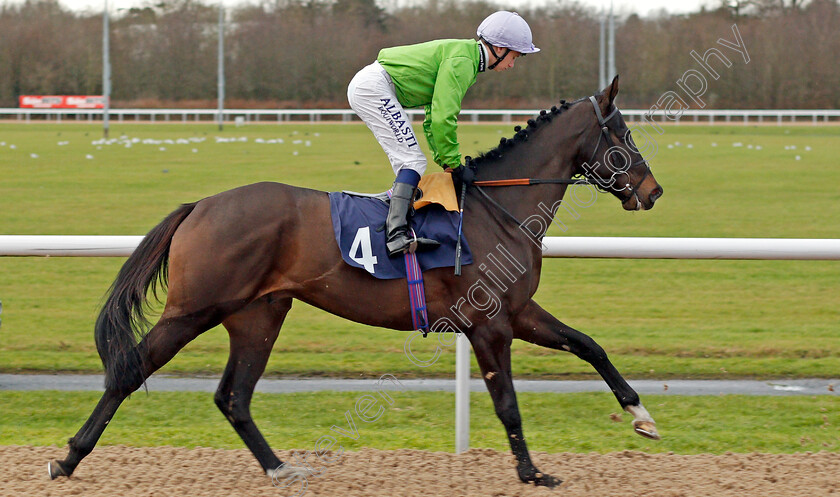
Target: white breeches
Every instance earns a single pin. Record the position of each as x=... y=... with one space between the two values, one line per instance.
x=373 y=97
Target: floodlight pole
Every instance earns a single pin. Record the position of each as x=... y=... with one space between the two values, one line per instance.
x=106 y=71
x=221 y=76
x=602 y=62
x=611 y=55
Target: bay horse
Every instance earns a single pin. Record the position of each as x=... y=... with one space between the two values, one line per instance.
x=240 y=257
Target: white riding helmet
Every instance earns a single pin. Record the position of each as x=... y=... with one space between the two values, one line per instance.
x=507 y=30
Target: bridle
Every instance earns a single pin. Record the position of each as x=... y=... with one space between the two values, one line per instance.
x=632 y=189
x=603 y=123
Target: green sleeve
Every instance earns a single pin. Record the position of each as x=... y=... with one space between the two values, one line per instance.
x=454 y=78
x=427 y=130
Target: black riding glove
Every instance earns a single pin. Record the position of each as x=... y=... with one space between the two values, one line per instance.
x=464 y=174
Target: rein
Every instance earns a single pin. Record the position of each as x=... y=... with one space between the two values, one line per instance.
x=526 y=182
x=602 y=123
x=520 y=182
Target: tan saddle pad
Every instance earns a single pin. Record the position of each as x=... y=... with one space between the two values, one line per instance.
x=437 y=188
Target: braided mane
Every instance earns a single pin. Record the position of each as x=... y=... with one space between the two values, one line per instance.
x=521 y=134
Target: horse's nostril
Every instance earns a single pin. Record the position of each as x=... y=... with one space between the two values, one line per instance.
x=655 y=194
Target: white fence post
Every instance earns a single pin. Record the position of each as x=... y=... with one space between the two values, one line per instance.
x=462 y=393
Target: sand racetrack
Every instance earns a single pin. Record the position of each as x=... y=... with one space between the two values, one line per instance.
x=169 y=471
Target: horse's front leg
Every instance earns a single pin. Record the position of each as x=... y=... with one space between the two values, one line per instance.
x=492 y=350
x=537 y=326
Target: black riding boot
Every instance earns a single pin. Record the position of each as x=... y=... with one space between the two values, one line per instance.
x=396 y=224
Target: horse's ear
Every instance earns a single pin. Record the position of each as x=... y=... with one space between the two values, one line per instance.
x=608 y=95
x=612 y=90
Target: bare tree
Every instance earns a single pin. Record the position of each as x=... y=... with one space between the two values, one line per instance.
x=304 y=52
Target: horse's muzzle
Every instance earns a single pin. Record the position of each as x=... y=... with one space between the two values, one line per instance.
x=641 y=202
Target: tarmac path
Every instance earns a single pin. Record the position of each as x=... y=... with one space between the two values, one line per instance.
x=162 y=383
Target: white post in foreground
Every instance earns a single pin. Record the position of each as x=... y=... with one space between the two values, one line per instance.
x=462 y=393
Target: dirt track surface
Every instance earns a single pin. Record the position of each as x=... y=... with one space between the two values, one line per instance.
x=167 y=471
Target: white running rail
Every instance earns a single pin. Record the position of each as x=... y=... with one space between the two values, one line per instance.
x=242 y=116
x=566 y=246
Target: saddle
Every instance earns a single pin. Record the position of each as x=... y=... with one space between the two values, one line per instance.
x=358 y=218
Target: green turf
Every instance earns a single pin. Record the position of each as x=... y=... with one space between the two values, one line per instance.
x=425 y=420
x=655 y=318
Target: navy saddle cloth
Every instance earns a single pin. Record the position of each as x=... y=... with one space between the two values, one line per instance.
x=358 y=223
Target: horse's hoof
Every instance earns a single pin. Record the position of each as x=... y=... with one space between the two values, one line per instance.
x=286 y=471
x=55 y=470
x=643 y=424
x=646 y=429
x=543 y=480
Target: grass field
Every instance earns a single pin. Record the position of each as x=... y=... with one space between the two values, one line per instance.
x=425 y=420
x=655 y=318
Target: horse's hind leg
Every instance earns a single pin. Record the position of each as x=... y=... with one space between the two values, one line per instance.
x=164 y=340
x=492 y=351
x=537 y=326
x=253 y=331
x=85 y=439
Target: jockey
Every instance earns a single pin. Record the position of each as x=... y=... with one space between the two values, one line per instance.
x=435 y=75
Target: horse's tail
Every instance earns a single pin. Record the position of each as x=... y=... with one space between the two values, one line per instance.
x=122 y=321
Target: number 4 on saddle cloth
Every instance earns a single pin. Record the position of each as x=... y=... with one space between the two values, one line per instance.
x=358 y=222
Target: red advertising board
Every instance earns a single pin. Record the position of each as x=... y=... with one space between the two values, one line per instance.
x=62 y=102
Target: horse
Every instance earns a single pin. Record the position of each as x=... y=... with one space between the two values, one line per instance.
x=239 y=258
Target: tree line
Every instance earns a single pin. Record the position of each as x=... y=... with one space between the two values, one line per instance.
x=303 y=53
